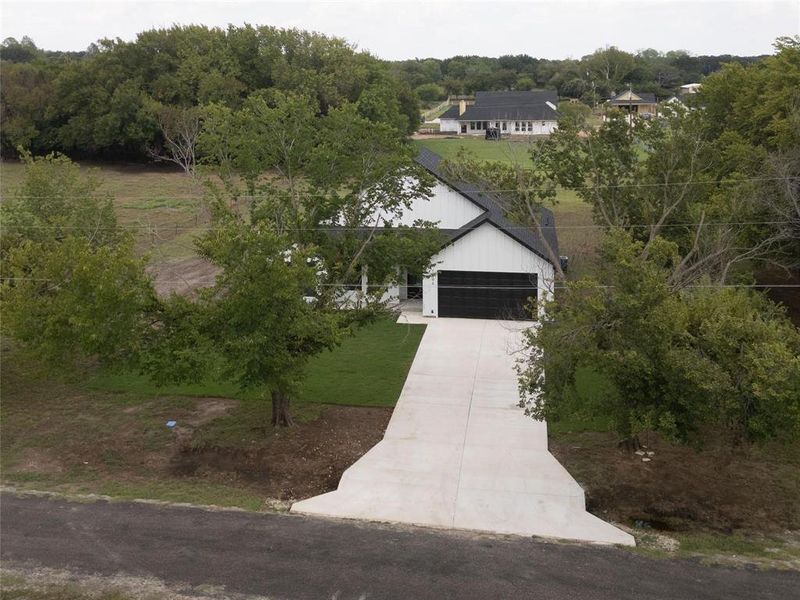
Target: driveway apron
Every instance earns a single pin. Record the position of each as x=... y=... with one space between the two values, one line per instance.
x=459 y=453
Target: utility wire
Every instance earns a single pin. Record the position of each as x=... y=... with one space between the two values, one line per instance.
x=478 y=189
x=336 y=228
x=358 y=287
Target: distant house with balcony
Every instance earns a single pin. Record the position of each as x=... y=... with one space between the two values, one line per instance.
x=635 y=104
x=510 y=113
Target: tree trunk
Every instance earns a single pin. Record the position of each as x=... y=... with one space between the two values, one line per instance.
x=630 y=445
x=281 y=417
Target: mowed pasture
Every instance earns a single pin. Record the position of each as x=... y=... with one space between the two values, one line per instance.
x=160 y=204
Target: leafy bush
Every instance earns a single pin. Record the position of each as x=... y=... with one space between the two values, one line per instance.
x=679 y=362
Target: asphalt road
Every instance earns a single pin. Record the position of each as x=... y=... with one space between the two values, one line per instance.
x=293 y=557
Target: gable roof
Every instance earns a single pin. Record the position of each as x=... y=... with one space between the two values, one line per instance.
x=493 y=212
x=450 y=113
x=629 y=97
x=510 y=106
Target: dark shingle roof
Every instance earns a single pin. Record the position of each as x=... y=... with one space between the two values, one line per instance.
x=516 y=98
x=511 y=106
x=450 y=113
x=493 y=212
x=509 y=113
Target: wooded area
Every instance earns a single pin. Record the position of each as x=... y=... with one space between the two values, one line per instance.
x=105 y=103
x=112 y=100
x=591 y=78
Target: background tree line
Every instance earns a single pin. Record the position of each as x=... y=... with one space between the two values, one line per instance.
x=108 y=102
x=112 y=100
x=592 y=78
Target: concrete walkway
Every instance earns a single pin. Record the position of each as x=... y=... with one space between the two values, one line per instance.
x=459 y=453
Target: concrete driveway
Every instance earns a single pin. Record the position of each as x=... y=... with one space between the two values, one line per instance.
x=460 y=454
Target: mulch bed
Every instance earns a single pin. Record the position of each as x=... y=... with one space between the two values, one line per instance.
x=294 y=463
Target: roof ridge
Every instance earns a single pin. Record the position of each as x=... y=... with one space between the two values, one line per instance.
x=493 y=212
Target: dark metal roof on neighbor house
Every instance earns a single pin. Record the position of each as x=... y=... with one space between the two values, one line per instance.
x=623 y=100
x=493 y=212
x=450 y=113
x=512 y=106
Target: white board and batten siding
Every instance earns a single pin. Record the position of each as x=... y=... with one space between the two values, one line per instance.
x=446 y=207
x=486 y=248
x=449 y=126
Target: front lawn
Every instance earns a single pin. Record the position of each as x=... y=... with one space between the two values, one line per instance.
x=368 y=369
x=501 y=150
x=109 y=436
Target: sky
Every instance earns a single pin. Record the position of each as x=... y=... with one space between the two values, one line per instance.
x=434 y=28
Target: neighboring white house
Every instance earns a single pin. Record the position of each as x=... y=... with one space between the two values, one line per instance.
x=488 y=268
x=512 y=113
x=690 y=88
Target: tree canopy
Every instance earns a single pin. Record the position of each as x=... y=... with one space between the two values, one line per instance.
x=682 y=363
x=593 y=77
x=304 y=208
x=104 y=103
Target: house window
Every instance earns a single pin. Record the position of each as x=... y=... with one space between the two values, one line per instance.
x=505 y=126
x=516 y=125
x=484 y=125
x=472 y=125
x=530 y=125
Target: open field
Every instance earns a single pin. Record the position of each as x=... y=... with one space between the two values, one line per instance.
x=159 y=203
x=109 y=437
x=502 y=150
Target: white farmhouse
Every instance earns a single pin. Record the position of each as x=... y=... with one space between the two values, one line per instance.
x=511 y=113
x=488 y=267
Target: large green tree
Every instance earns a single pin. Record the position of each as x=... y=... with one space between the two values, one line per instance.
x=101 y=104
x=339 y=184
x=680 y=362
x=71 y=288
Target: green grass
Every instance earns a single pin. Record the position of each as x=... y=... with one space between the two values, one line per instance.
x=367 y=369
x=767 y=551
x=502 y=150
x=108 y=435
x=157 y=202
x=590 y=389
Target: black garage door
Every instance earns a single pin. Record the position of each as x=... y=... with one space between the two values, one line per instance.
x=485 y=295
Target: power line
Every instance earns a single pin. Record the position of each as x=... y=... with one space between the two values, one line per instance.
x=336 y=228
x=477 y=189
x=355 y=287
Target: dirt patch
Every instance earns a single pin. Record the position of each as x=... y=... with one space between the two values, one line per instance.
x=294 y=463
x=182 y=276
x=677 y=488
x=40 y=461
x=208 y=409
